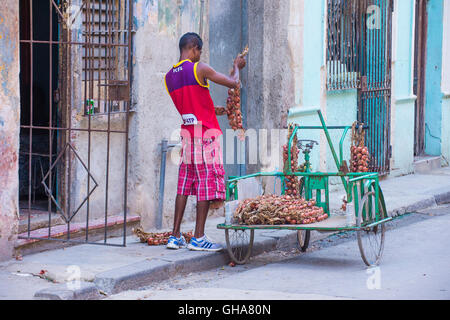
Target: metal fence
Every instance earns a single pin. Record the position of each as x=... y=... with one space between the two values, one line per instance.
x=75 y=76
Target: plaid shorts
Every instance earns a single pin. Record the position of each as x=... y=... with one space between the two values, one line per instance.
x=201 y=170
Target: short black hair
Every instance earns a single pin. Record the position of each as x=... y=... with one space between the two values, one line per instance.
x=190 y=39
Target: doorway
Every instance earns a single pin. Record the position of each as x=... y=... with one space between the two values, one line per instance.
x=38 y=82
x=420 y=46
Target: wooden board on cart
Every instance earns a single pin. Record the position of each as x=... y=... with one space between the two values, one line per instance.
x=332 y=223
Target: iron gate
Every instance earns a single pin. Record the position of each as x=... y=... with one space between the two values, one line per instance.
x=75 y=101
x=359 y=56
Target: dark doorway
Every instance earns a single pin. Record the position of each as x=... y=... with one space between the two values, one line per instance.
x=420 y=45
x=38 y=82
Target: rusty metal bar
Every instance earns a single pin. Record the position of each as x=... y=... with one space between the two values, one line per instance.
x=90 y=19
x=50 y=107
x=30 y=159
x=129 y=62
x=74 y=129
x=101 y=73
x=73 y=43
x=108 y=104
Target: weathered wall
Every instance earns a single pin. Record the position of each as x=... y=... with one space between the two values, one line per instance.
x=273 y=67
x=159 y=26
x=9 y=125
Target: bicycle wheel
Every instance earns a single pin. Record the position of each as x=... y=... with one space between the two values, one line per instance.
x=239 y=244
x=303 y=237
x=370 y=240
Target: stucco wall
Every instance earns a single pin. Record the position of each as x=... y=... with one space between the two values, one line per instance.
x=273 y=64
x=9 y=125
x=159 y=25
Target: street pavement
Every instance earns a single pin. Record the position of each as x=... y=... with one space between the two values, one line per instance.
x=97 y=272
x=415 y=265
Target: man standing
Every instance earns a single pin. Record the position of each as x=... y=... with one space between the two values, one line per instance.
x=201 y=170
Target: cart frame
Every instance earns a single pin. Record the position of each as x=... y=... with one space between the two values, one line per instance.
x=362 y=189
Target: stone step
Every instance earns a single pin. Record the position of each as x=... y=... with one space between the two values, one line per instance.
x=425 y=164
x=25 y=245
x=37 y=219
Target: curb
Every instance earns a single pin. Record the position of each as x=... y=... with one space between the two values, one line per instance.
x=86 y=291
x=149 y=271
x=443 y=197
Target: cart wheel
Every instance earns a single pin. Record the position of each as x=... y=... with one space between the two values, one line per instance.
x=370 y=240
x=303 y=237
x=239 y=244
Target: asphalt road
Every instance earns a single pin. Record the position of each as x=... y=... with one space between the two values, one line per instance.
x=415 y=265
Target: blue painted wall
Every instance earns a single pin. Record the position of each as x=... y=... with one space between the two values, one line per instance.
x=433 y=95
x=403 y=104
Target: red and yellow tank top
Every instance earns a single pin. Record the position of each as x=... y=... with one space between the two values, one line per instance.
x=192 y=99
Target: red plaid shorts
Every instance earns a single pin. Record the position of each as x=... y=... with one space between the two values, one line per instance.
x=201 y=170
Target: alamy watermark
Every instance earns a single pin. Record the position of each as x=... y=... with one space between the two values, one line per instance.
x=373 y=281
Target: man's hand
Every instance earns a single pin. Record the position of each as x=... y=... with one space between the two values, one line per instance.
x=240 y=62
x=220 y=111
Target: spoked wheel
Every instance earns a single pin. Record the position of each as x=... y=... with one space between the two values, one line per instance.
x=303 y=237
x=239 y=244
x=370 y=240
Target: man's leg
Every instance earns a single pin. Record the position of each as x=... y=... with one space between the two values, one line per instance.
x=202 y=213
x=180 y=205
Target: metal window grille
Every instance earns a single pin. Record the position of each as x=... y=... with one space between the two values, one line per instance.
x=103 y=24
x=359 y=41
x=73 y=52
x=343 y=37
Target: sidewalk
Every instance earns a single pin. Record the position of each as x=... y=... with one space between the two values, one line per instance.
x=107 y=270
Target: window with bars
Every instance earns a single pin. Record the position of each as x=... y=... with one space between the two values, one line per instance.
x=105 y=55
x=344 y=19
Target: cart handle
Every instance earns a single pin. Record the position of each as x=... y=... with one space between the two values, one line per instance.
x=303 y=111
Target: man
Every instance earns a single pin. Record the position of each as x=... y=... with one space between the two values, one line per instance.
x=201 y=170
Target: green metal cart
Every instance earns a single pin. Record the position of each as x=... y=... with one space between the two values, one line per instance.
x=362 y=189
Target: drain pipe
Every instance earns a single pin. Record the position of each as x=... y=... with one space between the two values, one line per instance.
x=165 y=146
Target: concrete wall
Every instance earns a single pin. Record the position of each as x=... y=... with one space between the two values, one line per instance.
x=9 y=125
x=402 y=99
x=273 y=67
x=227 y=25
x=159 y=26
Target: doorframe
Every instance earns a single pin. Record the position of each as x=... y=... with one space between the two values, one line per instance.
x=419 y=83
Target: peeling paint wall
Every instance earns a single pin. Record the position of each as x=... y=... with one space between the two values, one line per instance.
x=9 y=125
x=159 y=26
x=274 y=68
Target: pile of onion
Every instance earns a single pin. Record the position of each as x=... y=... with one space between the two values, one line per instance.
x=273 y=209
x=234 y=109
x=359 y=153
x=292 y=182
x=360 y=159
x=157 y=238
